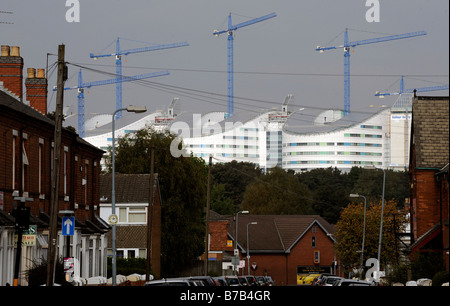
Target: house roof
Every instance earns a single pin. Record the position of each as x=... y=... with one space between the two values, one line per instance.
x=431 y=131
x=17 y=106
x=130 y=188
x=274 y=233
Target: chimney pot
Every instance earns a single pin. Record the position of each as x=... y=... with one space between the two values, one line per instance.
x=5 y=50
x=40 y=73
x=15 y=51
x=31 y=73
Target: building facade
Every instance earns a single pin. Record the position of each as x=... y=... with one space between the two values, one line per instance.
x=132 y=208
x=285 y=247
x=429 y=178
x=26 y=160
x=298 y=140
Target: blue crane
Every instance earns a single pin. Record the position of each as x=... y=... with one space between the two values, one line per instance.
x=411 y=90
x=81 y=86
x=347 y=45
x=118 y=54
x=230 y=30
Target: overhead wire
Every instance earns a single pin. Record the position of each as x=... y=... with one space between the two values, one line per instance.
x=220 y=99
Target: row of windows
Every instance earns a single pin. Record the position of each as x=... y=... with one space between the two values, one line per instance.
x=303 y=144
x=240 y=137
x=330 y=144
x=328 y=162
x=28 y=167
x=330 y=153
x=224 y=146
x=376 y=127
x=227 y=155
x=363 y=135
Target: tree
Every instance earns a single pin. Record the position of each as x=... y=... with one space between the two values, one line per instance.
x=182 y=183
x=349 y=233
x=277 y=193
x=234 y=178
x=330 y=190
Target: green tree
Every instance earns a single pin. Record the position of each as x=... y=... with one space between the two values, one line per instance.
x=349 y=233
x=370 y=184
x=234 y=178
x=220 y=203
x=277 y=193
x=330 y=190
x=182 y=183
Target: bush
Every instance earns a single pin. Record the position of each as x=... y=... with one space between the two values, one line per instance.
x=127 y=266
x=440 y=278
x=37 y=274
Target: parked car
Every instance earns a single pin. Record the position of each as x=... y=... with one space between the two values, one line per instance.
x=221 y=280
x=319 y=279
x=170 y=282
x=352 y=282
x=330 y=280
x=206 y=280
x=251 y=280
x=263 y=281
x=243 y=281
x=232 y=280
x=308 y=279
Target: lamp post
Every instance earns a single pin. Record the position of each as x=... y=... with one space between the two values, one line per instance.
x=132 y=109
x=248 y=249
x=381 y=222
x=364 y=227
x=236 y=250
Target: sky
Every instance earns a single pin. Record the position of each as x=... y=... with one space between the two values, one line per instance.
x=272 y=58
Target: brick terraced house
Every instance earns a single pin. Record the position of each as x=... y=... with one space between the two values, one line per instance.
x=429 y=178
x=26 y=160
x=284 y=247
x=132 y=201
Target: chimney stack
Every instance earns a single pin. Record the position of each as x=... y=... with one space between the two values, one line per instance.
x=11 y=67
x=36 y=89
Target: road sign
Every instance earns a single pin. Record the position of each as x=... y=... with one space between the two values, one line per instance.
x=254 y=266
x=68 y=226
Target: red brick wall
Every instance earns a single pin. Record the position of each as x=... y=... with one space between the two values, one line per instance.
x=11 y=74
x=283 y=268
x=36 y=129
x=425 y=209
x=36 y=92
x=218 y=236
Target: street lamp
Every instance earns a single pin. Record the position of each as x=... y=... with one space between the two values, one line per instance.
x=131 y=109
x=248 y=249
x=364 y=227
x=236 y=250
x=381 y=222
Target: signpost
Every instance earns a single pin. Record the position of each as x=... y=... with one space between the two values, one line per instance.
x=68 y=226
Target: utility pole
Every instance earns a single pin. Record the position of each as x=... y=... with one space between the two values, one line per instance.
x=208 y=197
x=54 y=201
x=22 y=215
x=150 y=213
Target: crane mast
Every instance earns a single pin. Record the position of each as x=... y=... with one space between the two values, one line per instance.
x=348 y=45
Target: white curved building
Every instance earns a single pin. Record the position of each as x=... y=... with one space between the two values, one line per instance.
x=298 y=140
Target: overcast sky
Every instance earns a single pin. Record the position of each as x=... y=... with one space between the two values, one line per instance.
x=271 y=58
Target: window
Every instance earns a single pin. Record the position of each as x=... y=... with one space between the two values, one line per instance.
x=313 y=241
x=41 y=164
x=25 y=162
x=133 y=214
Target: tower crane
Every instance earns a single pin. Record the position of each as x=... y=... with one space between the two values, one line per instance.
x=347 y=45
x=118 y=54
x=81 y=86
x=411 y=90
x=230 y=30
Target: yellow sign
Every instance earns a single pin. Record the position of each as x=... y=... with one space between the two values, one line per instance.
x=229 y=243
x=27 y=240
